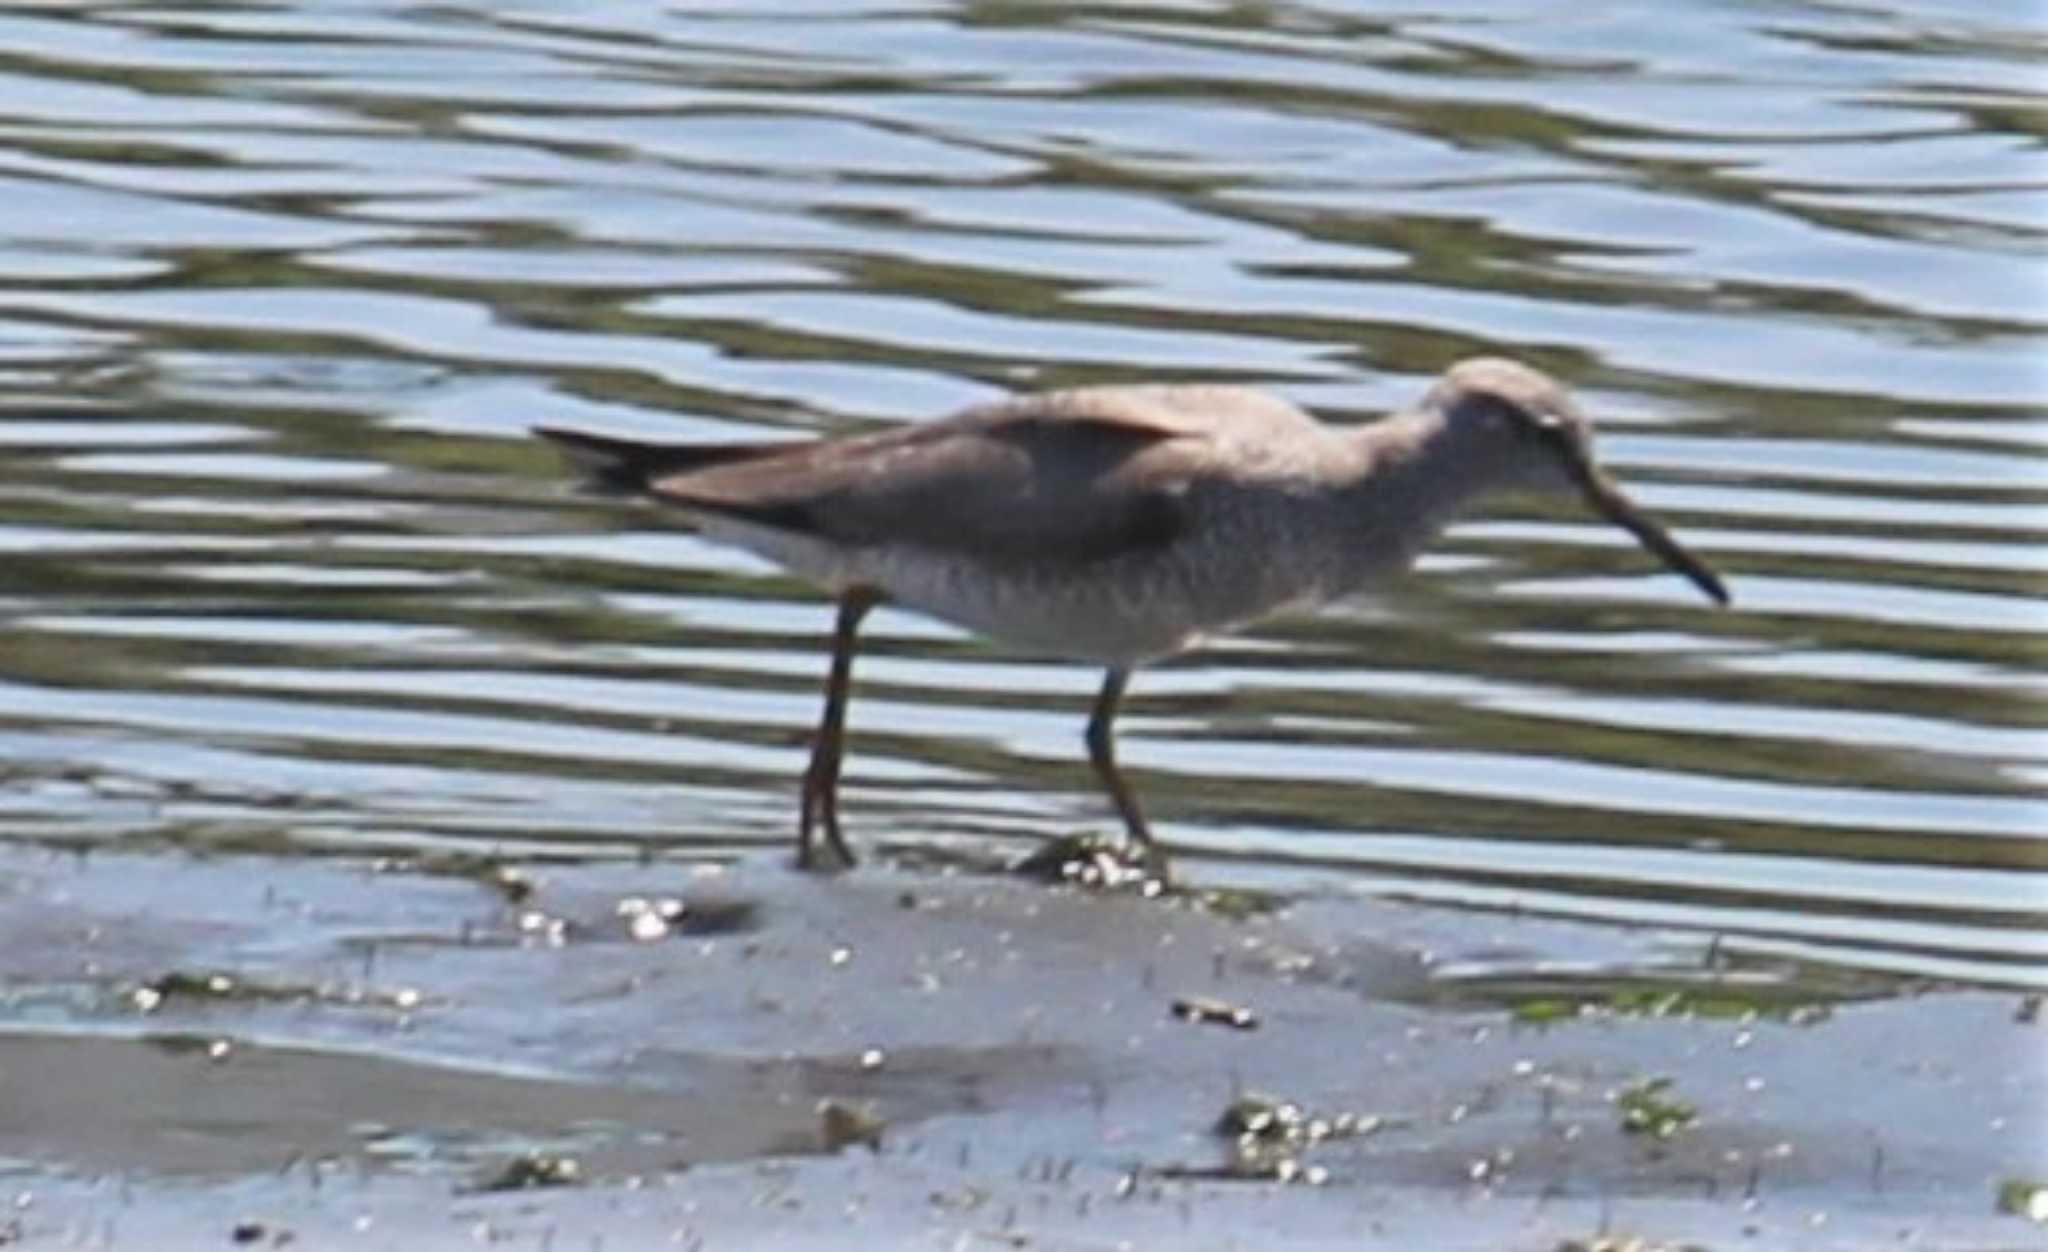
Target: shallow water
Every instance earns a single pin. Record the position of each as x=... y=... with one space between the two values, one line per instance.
x=281 y=290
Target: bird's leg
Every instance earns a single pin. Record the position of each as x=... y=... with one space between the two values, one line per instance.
x=1102 y=755
x=821 y=780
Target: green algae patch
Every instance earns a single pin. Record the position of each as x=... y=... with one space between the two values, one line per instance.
x=1650 y=1108
x=1709 y=1003
x=2024 y=1197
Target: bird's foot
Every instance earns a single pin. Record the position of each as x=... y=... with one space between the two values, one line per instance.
x=1158 y=867
x=835 y=858
x=837 y=855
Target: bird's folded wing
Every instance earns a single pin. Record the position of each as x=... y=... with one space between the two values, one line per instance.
x=1007 y=484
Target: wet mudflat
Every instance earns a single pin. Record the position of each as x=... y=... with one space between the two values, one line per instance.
x=735 y=1055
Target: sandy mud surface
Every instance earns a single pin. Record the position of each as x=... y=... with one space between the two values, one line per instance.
x=247 y=1051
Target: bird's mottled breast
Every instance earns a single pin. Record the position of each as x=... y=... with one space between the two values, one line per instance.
x=1252 y=544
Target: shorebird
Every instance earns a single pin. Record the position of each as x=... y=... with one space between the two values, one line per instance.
x=1119 y=525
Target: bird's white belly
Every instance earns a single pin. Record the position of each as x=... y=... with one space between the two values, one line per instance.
x=1088 y=615
x=1115 y=612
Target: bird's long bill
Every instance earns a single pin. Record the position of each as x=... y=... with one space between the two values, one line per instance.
x=1609 y=502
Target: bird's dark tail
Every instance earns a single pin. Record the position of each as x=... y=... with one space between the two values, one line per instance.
x=631 y=464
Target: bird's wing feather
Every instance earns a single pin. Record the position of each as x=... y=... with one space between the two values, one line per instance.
x=632 y=463
x=1067 y=476
x=1075 y=475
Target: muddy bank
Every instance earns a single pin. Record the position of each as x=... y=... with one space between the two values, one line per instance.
x=423 y=1055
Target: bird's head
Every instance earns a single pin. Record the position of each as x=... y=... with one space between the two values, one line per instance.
x=1527 y=426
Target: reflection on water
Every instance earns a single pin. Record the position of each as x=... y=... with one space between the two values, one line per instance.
x=281 y=291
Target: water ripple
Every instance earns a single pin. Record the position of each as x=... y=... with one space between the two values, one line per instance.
x=284 y=287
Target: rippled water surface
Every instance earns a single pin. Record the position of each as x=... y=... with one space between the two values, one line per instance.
x=282 y=288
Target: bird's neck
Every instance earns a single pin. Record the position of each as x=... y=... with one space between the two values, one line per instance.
x=1409 y=477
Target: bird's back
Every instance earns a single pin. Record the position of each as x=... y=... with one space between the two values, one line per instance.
x=1076 y=474
x=1064 y=520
